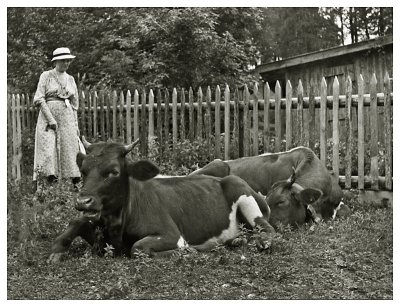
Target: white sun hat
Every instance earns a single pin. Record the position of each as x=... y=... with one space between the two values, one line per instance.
x=61 y=54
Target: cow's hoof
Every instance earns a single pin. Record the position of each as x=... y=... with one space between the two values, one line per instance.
x=55 y=257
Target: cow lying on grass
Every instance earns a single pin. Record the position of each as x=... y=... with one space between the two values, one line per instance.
x=158 y=215
x=298 y=187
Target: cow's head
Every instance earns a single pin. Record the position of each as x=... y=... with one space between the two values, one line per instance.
x=290 y=203
x=105 y=170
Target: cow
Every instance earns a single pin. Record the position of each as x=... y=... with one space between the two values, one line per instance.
x=140 y=212
x=297 y=186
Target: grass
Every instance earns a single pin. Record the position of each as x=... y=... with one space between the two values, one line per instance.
x=351 y=258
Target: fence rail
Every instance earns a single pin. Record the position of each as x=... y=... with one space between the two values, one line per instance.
x=351 y=133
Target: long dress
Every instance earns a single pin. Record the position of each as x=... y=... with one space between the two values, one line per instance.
x=58 y=105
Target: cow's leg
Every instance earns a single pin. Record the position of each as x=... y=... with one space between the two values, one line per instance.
x=79 y=227
x=158 y=245
x=249 y=206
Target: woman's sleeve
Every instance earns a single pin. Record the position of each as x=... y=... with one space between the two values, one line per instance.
x=40 y=100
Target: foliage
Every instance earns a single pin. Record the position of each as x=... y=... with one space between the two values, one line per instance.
x=134 y=48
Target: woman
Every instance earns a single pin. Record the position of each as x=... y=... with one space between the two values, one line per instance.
x=56 y=138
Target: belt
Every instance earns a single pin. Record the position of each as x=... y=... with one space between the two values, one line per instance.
x=66 y=101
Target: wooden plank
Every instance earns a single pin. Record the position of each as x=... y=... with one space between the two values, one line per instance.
x=83 y=114
x=183 y=102
x=174 y=118
x=108 y=110
x=143 y=125
x=300 y=117
x=191 y=115
x=266 y=132
x=360 y=130
x=322 y=134
x=14 y=136
x=335 y=127
x=9 y=117
x=349 y=133
x=159 y=119
x=227 y=122
x=101 y=113
x=121 y=125
x=235 y=133
x=89 y=105
x=151 y=114
x=278 y=127
x=388 y=125
x=199 y=133
x=114 y=115
x=95 y=117
x=136 y=134
x=23 y=112
x=255 y=120
x=374 y=133
x=246 y=122
x=217 y=122
x=208 y=122
x=18 y=139
x=311 y=111
x=289 y=93
x=166 y=116
x=128 y=117
x=29 y=113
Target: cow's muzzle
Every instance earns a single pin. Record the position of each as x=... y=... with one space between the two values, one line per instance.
x=88 y=206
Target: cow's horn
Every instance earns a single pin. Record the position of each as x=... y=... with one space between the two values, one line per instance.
x=128 y=148
x=292 y=177
x=85 y=143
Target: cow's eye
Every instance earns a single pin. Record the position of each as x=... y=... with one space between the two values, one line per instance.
x=113 y=173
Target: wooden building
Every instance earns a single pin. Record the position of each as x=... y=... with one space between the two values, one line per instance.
x=366 y=58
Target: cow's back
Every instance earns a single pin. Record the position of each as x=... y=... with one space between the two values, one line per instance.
x=261 y=172
x=184 y=201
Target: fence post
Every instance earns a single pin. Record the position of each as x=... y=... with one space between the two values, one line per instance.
x=83 y=114
x=300 y=119
x=388 y=132
x=278 y=127
x=322 y=137
x=217 y=122
x=374 y=134
x=102 y=123
x=95 y=99
x=159 y=120
x=23 y=116
x=143 y=125
x=267 y=95
x=311 y=112
x=121 y=117
x=335 y=125
x=349 y=132
x=108 y=110
x=151 y=114
x=199 y=113
x=208 y=121
x=183 y=130
x=360 y=128
x=255 y=120
x=288 y=115
x=166 y=118
x=136 y=115
x=114 y=104
x=235 y=137
x=174 y=118
x=191 y=115
x=29 y=113
x=227 y=121
x=89 y=114
x=246 y=122
x=128 y=118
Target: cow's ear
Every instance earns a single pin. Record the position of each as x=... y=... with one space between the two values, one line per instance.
x=309 y=195
x=79 y=159
x=143 y=170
